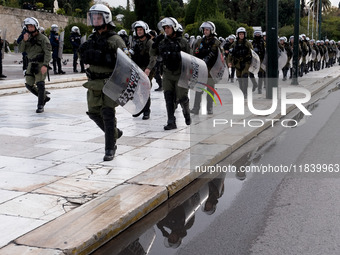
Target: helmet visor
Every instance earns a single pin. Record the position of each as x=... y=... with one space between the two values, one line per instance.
x=95 y=19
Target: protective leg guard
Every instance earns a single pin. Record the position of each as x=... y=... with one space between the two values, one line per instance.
x=197 y=103
x=170 y=109
x=184 y=102
x=109 y=129
x=41 y=96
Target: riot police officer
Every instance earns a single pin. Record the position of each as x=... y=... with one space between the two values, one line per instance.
x=38 y=49
x=230 y=40
x=54 y=40
x=206 y=48
x=122 y=33
x=169 y=48
x=259 y=46
x=140 y=49
x=240 y=56
x=75 y=39
x=99 y=51
x=2 y=76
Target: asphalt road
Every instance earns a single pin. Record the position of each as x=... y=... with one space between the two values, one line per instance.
x=281 y=212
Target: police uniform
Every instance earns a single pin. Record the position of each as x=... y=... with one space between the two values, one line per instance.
x=54 y=40
x=206 y=48
x=259 y=46
x=1 y=44
x=240 y=56
x=75 y=40
x=169 y=49
x=38 y=49
x=141 y=56
x=100 y=53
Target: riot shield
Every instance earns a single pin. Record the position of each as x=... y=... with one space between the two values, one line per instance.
x=326 y=56
x=128 y=85
x=219 y=72
x=61 y=44
x=318 y=57
x=3 y=46
x=255 y=63
x=264 y=62
x=337 y=52
x=313 y=54
x=83 y=39
x=282 y=61
x=194 y=73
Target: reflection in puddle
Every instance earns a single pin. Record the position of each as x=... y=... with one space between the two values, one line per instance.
x=183 y=220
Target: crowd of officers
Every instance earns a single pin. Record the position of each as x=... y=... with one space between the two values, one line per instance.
x=159 y=57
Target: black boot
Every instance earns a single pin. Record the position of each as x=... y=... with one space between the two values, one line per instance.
x=109 y=128
x=184 y=102
x=97 y=118
x=197 y=103
x=146 y=110
x=34 y=91
x=170 y=108
x=260 y=85
x=41 y=96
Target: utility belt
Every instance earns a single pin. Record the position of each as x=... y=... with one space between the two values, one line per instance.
x=96 y=76
x=39 y=58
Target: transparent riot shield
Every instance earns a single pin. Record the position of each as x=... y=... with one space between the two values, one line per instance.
x=318 y=57
x=313 y=54
x=337 y=52
x=255 y=63
x=3 y=46
x=219 y=72
x=282 y=61
x=194 y=73
x=326 y=56
x=128 y=85
x=264 y=62
x=61 y=44
x=83 y=39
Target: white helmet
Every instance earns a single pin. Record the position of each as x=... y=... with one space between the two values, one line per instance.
x=104 y=11
x=241 y=30
x=180 y=28
x=54 y=27
x=31 y=21
x=122 y=32
x=168 y=21
x=41 y=29
x=210 y=25
x=232 y=37
x=257 y=32
x=141 y=24
x=75 y=29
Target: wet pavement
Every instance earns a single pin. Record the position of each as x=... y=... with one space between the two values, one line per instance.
x=225 y=215
x=56 y=193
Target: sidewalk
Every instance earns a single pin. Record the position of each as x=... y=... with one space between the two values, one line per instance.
x=57 y=196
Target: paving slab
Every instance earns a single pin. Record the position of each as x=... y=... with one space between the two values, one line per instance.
x=56 y=158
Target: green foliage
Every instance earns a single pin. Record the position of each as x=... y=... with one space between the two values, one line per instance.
x=330 y=27
x=286 y=31
x=61 y=11
x=39 y=5
x=83 y=30
x=206 y=9
x=129 y=18
x=168 y=12
x=191 y=11
x=148 y=11
x=192 y=29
